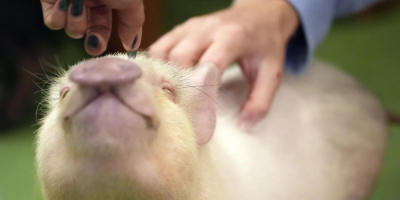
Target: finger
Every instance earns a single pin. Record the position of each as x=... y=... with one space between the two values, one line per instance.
x=99 y=30
x=54 y=13
x=262 y=92
x=136 y=40
x=188 y=51
x=130 y=22
x=76 y=20
x=162 y=47
x=222 y=52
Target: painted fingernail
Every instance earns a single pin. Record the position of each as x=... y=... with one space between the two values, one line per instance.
x=132 y=54
x=64 y=4
x=93 y=42
x=134 y=42
x=77 y=7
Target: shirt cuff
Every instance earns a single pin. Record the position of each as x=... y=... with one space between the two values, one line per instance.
x=315 y=20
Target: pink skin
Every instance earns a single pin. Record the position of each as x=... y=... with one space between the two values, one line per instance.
x=253 y=33
x=107 y=87
x=105 y=73
x=108 y=104
x=109 y=76
x=119 y=124
x=96 y=19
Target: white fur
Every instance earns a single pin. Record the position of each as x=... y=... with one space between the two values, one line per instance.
x=324 y=138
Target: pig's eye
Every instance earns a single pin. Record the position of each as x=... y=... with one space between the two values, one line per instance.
x=63 y=92
x=169 y=90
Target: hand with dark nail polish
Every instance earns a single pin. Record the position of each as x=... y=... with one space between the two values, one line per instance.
x=93 y=18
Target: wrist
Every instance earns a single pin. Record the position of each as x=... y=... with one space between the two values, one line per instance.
x=284 y=13
x=290 y=19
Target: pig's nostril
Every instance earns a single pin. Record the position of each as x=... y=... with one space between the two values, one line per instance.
x=105 y=72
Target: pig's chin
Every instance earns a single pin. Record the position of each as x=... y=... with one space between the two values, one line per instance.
x=106 y=124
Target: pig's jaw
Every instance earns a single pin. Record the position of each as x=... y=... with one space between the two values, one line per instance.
x=131 y=168
x=165 y=171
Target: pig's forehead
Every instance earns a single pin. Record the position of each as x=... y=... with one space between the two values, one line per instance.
x=157 y=67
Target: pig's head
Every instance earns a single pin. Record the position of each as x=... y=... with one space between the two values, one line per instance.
x=119 y=128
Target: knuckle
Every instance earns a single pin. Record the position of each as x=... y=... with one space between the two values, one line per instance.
x=213 y=21
x=193 y=20
x=141 y=20
x=237 y=30
x=178 y=28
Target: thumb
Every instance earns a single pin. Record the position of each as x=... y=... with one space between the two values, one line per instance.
x=262 y=92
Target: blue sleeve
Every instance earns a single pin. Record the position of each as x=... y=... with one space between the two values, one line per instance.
x=316 y=17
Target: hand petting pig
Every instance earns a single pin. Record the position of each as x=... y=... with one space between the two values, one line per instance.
x=253 y=32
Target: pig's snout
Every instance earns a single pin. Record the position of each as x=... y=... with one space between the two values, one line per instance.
x=105 y=72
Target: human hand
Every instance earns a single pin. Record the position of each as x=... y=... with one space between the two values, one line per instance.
x=254 y=33
x=94 y=18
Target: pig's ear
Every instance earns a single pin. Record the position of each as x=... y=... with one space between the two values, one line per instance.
x=205 y=79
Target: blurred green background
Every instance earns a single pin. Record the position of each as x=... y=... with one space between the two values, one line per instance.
x=366 y=46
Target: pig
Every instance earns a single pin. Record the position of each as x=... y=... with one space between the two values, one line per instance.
x=118 y=128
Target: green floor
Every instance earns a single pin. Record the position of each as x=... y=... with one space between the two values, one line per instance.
x=369 y=49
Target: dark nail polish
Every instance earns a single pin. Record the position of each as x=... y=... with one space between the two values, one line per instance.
x=64 y=4
x=132 y=54
x=93 y=42
x=77 y=7
x=134 y=42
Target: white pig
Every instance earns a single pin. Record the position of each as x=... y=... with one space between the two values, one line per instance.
x=140 y=129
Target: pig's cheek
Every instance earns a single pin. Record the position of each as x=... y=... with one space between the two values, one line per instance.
x=75 y=100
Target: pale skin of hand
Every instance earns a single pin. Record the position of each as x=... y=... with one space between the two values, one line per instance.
x=93 y=18
x=253 y=33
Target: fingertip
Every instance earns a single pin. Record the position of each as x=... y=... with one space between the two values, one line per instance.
x=49 y=23
x=132 y=42
x=99 y=30
x=75 y=34
x=252 y=112
x=76 y=26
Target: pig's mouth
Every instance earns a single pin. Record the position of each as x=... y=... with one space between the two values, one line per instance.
x=111 y=97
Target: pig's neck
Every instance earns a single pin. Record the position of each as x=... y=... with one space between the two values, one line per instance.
x=208 y=182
